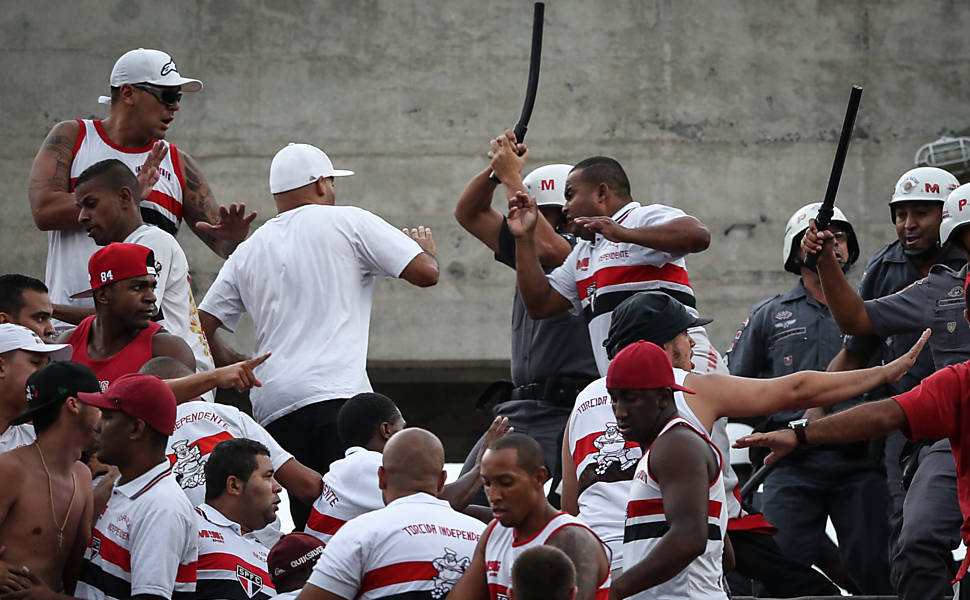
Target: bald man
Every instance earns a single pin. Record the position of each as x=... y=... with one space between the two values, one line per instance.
x=416 y=544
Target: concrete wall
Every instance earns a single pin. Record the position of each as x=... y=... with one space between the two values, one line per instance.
x=729 y=110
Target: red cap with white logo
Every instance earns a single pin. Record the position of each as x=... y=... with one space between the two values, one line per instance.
x=118 y=261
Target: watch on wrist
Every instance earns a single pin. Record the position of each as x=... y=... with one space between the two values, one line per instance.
x=798 y=426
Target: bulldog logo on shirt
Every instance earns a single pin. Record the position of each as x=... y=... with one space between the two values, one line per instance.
x=612 y=449
x=450 y=568
x=189 y=467
x=250 y=582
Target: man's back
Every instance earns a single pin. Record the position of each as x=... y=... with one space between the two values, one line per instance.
x=307 y=278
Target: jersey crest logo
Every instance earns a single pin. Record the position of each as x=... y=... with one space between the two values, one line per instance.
x=250 y=582
x=951 y=326
x=189 y=467
x=450 y=568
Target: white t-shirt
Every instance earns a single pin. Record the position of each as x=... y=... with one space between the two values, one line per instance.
x=199 y=427
x=307 y=279
x=350 y=489
x=69 y=250
x=144 y=542
x=16 y=436
x=598 y=275
x=414 y=546
x=174 y=294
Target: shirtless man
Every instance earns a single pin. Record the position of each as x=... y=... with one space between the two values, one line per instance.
x=121 y=337
x=146 y=88
x=25 y=301
x=45 y=520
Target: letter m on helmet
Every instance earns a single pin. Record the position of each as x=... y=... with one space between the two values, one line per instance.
x=933 y=187
x=547 y=184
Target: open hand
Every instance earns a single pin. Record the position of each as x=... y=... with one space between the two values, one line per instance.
x=897 y=368
x=231 y=226
x=523 y=215
x=498 y=428
x=780 y=442
x=604 y=226
x=421 y=235
x=148 y=174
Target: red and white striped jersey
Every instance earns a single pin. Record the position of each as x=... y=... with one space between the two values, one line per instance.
x=598 y=275
x=646 y=524
x=144 y=542
x=231 y=566
x=199 y=427
x=502 y=548
x=350 y=489
x=415 y=546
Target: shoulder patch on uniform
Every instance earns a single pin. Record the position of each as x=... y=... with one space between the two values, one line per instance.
x=783 y=315
x=955 y=292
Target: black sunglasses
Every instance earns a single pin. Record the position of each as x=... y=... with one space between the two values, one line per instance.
x=166 y=97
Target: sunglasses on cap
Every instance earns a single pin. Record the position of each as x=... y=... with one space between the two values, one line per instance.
x=167 y=97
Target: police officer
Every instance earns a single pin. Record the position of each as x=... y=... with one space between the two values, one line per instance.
x=794 y=332
x=552 y=359
x=922 y=560
x=916 y=209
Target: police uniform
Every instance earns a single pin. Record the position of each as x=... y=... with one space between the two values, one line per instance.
x=231 y=566
x=888 y=272
x=922 y=557
x=415 y=547
x=552 y=361
x=794 y=332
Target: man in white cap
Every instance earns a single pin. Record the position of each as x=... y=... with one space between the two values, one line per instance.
x=314 y=263
x=21 y=353
x=146 y=88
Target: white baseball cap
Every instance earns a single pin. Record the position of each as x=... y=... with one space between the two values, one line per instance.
x=298 y=165
x=17 y=337
x=148 y=66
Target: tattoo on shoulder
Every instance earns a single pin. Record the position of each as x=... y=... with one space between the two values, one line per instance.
x=587 y=555
x=59 y=147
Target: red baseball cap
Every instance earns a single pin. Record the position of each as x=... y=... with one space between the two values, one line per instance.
x=118 y=261
x=144 y=397
x=642 y=366
x=293 y=552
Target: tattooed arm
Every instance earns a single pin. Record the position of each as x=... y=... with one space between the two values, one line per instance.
x=51 y=204
x=588 y=556
x=219 y=228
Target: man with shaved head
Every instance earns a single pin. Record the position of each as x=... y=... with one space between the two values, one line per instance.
x=543 y=573
x=513 y=473
x=415 y=545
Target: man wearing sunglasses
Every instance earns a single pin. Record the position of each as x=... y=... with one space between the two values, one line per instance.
x=146 y=89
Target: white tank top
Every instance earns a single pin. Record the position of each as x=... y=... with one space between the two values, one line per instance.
x=68 y=251
x=501 y=550
x=646 y=524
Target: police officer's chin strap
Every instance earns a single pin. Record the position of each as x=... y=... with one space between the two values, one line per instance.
x=814 y=268
x=922 y=253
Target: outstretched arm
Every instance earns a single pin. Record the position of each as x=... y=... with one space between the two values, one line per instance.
x=862 y=422
x=540 y=299
x=681 y=461
x=422 y=271
x=221 y=229
x=569 y=498
x=474 y=210
x=847 y=307
x=728 y=396
x=240 y=376
x=683 y=235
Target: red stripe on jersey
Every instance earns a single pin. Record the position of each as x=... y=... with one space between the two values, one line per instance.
x=645 y=508
x=77 y=143
x=222 y=561
x=206 y=444
x=104 y=137
x=188 y=573
x=324 y=523
x=585 y=447
x=608 y=276
x=400 y=573
x=112 y=552
x=173 y=153
x=167 y=202
x=495 y=590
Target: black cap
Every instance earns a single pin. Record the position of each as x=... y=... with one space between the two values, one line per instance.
x=650 y=316
x=53 y=384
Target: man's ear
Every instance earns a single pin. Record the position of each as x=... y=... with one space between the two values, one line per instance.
x=602 y=191
x=235 y=486
x=126 y=198
x=441 y=481
x=381 y=478
x=385 y=430
x=5 y=318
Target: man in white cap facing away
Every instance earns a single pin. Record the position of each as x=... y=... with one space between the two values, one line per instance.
x=146 y=88
x=313 y=263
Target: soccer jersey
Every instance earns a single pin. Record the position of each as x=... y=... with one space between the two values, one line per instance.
x=231 y=566
x=502 y=548
x=597 y=276
x=144 y=542
x=414 y=547
x=646 y=524
x=350 y=489
x=68 y=251
x=199 y=427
